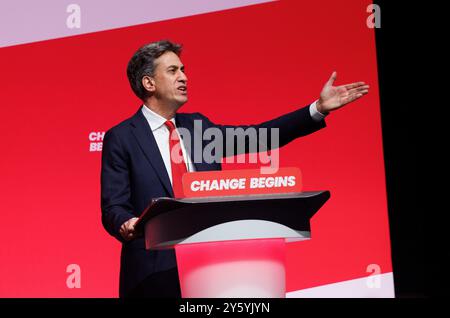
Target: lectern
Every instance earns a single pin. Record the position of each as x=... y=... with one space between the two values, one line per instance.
x=231 y=246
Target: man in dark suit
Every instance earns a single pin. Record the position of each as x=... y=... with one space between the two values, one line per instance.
x=137 y=163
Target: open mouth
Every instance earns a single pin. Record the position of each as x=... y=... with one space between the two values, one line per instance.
x=182 y=89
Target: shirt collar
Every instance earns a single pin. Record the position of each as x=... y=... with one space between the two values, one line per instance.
x=155 y=120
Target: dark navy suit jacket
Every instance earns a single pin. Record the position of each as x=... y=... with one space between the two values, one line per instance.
x=133 y=173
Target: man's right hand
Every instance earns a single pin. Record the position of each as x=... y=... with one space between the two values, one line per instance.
x=127 y=229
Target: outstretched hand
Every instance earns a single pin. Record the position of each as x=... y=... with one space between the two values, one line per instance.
x=334 y=97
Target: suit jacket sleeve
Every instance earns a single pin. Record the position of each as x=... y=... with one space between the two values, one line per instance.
x=115 y=185
x=290 y=126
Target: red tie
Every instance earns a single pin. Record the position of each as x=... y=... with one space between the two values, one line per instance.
x=176 y=160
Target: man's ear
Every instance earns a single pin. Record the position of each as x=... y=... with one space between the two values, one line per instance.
x=148 y=83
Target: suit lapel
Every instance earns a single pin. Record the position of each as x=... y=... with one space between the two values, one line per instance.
x=141 y=130
x=185 y=121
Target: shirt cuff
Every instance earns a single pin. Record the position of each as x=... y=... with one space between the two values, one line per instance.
x=315 y=114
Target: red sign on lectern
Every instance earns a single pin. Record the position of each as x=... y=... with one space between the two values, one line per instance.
x=241 y=182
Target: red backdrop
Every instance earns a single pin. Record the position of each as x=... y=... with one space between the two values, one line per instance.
x=244 y=65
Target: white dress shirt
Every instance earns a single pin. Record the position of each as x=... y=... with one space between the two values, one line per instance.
x=315 y=114
x=161 y=134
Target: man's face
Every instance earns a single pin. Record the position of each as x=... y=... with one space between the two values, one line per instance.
x=170 y=80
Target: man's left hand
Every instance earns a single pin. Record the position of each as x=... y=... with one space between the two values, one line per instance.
x=334 y=97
